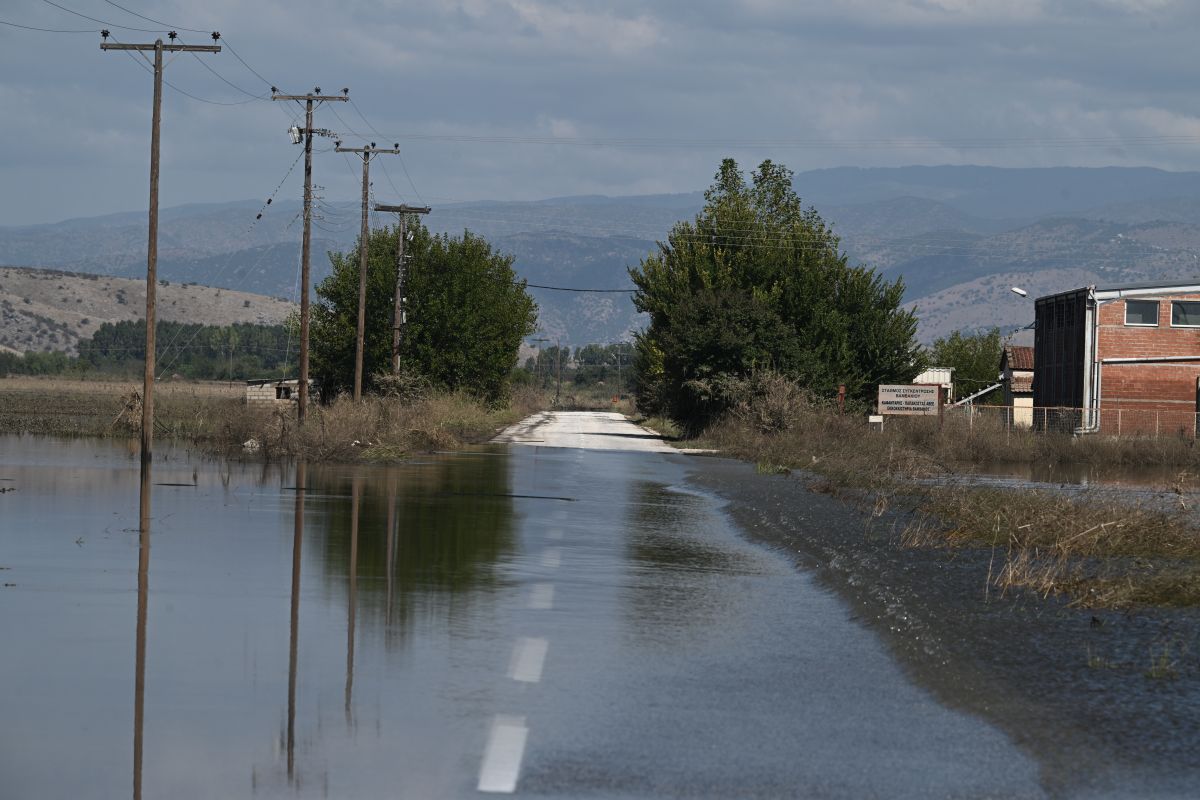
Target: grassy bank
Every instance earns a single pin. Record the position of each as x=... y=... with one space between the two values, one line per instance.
x=1096 y=549
x=215 y=415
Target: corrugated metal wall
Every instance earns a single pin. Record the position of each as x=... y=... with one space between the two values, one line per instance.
x=1058 y=358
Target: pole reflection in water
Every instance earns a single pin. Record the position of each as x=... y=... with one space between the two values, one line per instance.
x=355 y=501
x=390 y=556
x=139 y=680
x=297 y=540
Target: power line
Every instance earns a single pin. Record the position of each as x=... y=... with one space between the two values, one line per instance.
x=403 y=165
x=569 y=289
x=155 y=21
x=102 y=22
x=48 y=30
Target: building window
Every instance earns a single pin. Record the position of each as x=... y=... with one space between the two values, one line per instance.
x=1141 y=312
x=1185 y=314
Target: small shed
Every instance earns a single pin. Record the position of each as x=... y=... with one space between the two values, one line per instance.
x=943 y=377
x=274 y=390
x=1016 y=373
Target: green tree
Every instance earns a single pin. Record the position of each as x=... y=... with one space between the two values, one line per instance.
x=467 y=313
x=975 y=358
x=757 y=281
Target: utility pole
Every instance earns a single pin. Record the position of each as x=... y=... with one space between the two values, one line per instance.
x=558 y=363
x=158 y=48
x=367 y=153
x=399 y=313
x=537 y=364
x=310 y=101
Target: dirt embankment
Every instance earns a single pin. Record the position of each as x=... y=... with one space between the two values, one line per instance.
x=1108 y=701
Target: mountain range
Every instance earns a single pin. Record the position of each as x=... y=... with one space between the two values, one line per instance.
x=958 y=236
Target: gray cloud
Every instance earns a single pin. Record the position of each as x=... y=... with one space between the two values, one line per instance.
x=891 y=81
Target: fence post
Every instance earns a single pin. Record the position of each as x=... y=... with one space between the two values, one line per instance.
x=1118 y=422
x=1156 y=422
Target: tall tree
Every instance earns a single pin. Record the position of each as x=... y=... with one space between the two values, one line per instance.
x=467 y=313
x=757 y=281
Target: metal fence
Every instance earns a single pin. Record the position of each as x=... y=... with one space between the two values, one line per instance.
x=1108 y=420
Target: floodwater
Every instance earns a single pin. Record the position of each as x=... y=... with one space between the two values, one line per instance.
x=1149 y=477
x=554 y=623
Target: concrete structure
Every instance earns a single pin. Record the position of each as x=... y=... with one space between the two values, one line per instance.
x=1016 y=373
x=1121 y=359
x=942 y=376
x=271 y=390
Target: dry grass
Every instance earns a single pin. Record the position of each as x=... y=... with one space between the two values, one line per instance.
x=1102 y=550
x=1098 y=551
x=217 y=416
x=64 y=406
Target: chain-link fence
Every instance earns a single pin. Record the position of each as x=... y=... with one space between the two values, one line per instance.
x=1108 y=420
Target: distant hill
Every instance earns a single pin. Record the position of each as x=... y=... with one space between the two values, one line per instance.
x=953 y=234
x=44 y=310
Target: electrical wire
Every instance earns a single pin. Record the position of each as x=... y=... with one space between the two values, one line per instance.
x=569 y=289
x=142 y=63
x=48 y=30
x=148 y=19
x=100 y=21
x=403 y=165
x=249 y=229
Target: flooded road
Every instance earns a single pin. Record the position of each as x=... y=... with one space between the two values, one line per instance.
x=554 y=622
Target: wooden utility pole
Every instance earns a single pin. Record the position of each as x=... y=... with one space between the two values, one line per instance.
x=367 y=153
x=399 y=313
x=158 y=49
x=310 y=101
x=558 y=364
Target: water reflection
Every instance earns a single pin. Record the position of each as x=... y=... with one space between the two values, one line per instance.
x=352 y=600
x=294 y=637
x=393 y=574
x=143 y=599
x=1144 y=476
x=405 y=541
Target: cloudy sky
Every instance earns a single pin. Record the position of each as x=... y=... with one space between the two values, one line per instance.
x=525 y=99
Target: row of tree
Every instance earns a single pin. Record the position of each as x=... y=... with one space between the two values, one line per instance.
x=755 y=282
x=201 y=352
x=467 y=314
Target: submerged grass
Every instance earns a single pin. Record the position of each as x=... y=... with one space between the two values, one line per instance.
x=1098 y=550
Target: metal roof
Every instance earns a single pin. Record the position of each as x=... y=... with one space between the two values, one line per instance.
x=1108 y=292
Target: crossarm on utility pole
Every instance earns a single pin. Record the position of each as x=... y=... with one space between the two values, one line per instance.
x=399 y=315
x=364 y=240
x=306 y=244
x=158 y=48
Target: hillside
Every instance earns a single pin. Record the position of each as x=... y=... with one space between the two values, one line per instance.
x=50 y=310
x=944 y=230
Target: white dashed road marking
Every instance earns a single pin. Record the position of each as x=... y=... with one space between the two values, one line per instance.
x=528 y=657
x=541 y=596
x=555 y=533
x=502 y=757
x=552 y=557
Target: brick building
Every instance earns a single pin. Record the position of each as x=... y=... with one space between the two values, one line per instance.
x=1119 y=360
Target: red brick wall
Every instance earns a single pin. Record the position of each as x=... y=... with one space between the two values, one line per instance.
x=1147 y=398
x=1117 y=340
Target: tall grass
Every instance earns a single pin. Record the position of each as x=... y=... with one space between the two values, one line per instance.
x=217 y=416
x=1098 y=550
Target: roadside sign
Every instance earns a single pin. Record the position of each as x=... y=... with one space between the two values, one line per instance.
x=911 y=399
